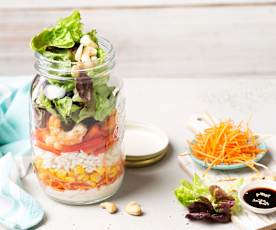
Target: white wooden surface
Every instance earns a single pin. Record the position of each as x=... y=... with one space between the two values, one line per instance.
x=167 y=103
x=247 y=219
x=156 y=38
x=33 y=4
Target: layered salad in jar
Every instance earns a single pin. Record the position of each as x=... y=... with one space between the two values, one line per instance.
x=77 y=123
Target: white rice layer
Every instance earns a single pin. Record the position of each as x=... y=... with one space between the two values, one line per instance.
x=70 y=160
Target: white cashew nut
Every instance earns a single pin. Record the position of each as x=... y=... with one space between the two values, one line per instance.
x=90 y=51
x=78 y=53
x=86 y=41
x=109 y=206
x=133 y=208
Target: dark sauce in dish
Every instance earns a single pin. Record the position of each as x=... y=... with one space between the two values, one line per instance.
x=261 y=198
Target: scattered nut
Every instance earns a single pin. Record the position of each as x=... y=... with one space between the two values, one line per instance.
x=75 y=71
x=133 y=208
x=86 y=41
x=78 y=53
x=109 y=206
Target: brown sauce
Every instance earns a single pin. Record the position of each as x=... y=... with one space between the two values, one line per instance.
x=261 y=197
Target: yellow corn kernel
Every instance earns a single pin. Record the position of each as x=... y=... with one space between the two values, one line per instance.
x=71 y=173
x=69 y=179
x=61 y=174
x=95 y=177
x=107 y=169
x=85 y=178
x=42 y=170
x=113 y=172
x=101 y=170
x=79 y=170
x=93 y=184
x=52 y=171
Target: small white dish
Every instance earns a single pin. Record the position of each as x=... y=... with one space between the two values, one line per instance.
x=143 y=141
x=253 y=185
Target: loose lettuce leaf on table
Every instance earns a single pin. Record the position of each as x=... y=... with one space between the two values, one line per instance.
x=217 y=211
x=188 y=193
x=208 y=203
x=233 y=191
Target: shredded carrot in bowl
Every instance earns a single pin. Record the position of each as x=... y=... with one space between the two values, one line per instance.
x=226 y=143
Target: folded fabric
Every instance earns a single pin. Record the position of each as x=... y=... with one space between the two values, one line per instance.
x=14 y=116
x=18 y=209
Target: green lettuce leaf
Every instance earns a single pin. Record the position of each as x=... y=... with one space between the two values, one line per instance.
x=100 y=52
x=59 y=54
x=43 y=102
x=86 y=112
x=104 y=98
x=68 y=85
x=104 y=106
x=233 y=191
x=73 y=24
x=65 y=34
x=93 y=36
x=188 y=193
x=65 y=108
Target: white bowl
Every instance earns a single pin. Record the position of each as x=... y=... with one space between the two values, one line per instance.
x=257 y=184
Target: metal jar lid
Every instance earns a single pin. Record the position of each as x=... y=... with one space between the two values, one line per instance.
x=144 y=144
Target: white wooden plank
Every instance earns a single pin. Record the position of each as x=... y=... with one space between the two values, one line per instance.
x=160 y=42
x=31 y=4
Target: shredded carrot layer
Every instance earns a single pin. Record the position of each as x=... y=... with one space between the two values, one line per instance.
x=226 y=143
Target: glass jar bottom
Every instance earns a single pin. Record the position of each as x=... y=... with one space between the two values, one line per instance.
x=84 y=197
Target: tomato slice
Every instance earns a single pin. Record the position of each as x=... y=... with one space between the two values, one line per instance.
x=46 y=147
x=94 y=132
x=90 y=144
x=100 y=150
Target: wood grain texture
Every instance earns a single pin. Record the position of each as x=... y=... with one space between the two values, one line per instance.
x=34 y=4
x=164 y=42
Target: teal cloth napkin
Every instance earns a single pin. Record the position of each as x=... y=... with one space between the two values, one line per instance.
x=18 y=210
x=14 y=121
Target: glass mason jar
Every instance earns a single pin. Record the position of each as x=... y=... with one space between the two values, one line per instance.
x=77 y=126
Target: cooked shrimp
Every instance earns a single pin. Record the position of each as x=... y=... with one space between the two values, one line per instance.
x=72 y=137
